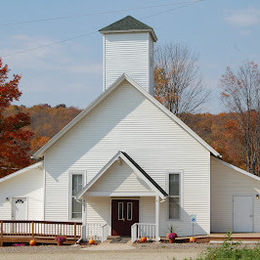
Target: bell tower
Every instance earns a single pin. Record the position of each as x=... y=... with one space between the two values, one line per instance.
x=128 y=47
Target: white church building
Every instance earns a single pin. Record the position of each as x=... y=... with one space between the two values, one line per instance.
x=127 y=163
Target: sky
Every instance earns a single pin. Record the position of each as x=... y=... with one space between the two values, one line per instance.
x=56 y=47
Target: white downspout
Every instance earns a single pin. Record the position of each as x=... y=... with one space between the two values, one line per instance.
x=157 y=217
x=84 y=220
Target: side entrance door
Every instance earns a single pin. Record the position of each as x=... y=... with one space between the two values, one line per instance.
x=243 y=211
x=124 y=214
x=19 y=209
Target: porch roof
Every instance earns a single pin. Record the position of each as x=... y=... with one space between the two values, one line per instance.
x=138 y=170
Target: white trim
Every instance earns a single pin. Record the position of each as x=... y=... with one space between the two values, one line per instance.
x=238 y=169
x=130 y=164
x=71 y=173
x=97 y=101
x=14 y=174
x=120 y=194
x=44 y=187
x=26 y=210
x=104 y=62
x=181 y=192
x=150 y=31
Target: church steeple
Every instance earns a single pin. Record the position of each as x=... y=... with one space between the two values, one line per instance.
x=129 y=48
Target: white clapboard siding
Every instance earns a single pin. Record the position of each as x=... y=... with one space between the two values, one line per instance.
x=226 y=182
x=98 y=211
x=127 y=121
x=29 y=185
x=128 y=53
x=120 y=178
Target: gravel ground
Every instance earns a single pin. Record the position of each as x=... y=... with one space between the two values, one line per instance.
x=105 y=251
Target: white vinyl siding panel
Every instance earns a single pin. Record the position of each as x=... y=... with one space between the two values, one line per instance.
x=27 y=185
x=127 y=121
x=120 y=178
x=127 y=53
x=226 y=182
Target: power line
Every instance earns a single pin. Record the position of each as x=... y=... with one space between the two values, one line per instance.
x=86 y=34
x=173 y=9
x=92 y=14
x=50 y=44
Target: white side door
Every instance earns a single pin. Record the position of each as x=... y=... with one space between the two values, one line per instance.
x=19 y=209
x=243 y=210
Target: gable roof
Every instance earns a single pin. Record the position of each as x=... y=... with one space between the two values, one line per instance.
x=128 y=24
x=14 y=174
x=140 y=172
x=238 y=169
x=98 y=100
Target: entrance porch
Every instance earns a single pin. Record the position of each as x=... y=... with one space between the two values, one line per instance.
x=123 y=198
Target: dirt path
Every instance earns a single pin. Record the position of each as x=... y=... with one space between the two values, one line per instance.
x=97 y=252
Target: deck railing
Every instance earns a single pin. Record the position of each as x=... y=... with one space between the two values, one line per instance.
x=96 y=231
x=40 y=228
x=139 y=230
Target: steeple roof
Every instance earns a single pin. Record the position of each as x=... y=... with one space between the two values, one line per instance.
x=128 y=24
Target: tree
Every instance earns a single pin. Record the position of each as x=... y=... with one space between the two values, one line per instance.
x=14 y=140
x=178 y=84
x=241 y=94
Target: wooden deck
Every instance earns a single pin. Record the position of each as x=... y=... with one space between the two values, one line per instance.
x=16 y=231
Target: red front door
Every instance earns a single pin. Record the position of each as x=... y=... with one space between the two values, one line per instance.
x=124 y=214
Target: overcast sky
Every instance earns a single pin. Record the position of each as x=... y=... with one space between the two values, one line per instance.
x=223 y=32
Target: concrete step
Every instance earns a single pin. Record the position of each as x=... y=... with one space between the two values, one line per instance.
x=118 y=240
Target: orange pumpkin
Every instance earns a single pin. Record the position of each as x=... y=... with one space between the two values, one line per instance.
x=143 y=240
x=91 y=242
x=32 y=242
x=192 y=239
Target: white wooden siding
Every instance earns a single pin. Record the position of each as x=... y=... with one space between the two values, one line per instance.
x=226 y=182
x=120 y=178
x=29 y=185
x=127 y=121
x=127 y=53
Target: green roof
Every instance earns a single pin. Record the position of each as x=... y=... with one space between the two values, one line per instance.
x=128 y=23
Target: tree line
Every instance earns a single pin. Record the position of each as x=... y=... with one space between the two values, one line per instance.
x=178 y=86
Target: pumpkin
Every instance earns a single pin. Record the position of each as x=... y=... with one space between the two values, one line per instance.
x=192 y=239
x=143 y=240
x=91 y=242
x=32 y=242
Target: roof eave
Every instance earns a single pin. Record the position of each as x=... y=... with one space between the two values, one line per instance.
x=151 y=31
x=14 y=174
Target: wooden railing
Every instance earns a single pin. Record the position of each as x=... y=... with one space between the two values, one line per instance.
x=40 y=228
x=139 y=230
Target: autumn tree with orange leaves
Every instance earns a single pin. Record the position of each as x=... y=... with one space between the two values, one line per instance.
x=241 y=94
x=14 y=140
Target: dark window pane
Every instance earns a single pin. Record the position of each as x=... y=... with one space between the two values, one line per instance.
x=76 y=209
x=129 y=210
x=120 y=210
x=76 y=184
x=174 y=184
x=174 y=208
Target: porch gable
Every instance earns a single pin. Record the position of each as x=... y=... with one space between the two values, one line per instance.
x=122 y=176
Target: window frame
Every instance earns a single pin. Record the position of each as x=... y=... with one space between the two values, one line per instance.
x=84 y=177
x=167 y=178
